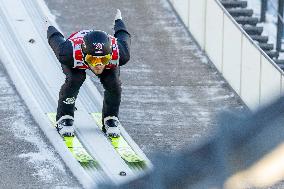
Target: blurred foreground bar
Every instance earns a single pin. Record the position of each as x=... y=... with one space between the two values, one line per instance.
x=246 y=152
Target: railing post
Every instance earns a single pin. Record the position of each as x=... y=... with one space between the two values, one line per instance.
x=263 y=10
x=279 y=25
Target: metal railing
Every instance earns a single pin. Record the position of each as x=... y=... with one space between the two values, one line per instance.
x=280 y=21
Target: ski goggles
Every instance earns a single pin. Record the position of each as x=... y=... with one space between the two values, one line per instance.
x=97 y=60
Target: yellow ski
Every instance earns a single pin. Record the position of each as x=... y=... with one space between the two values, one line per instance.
x=119 y=144
x=75 y=146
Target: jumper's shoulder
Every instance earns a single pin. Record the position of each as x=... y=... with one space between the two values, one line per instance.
x=66 y=53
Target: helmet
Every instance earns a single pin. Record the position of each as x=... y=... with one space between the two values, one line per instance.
x=97 y=43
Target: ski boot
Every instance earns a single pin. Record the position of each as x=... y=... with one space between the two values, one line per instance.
x=64 y=126
x=111 y=126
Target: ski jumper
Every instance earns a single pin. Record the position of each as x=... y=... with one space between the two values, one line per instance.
x=70 y=55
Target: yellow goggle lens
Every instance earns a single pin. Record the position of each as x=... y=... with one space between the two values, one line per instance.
x=97 y=60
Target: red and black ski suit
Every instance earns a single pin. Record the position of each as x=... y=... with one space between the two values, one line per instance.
x=74 y=68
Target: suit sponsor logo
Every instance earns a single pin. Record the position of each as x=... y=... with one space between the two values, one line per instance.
x=69 y=100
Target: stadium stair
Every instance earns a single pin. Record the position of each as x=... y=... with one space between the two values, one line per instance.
x=244 y=16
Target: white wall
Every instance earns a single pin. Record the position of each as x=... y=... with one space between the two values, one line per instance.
x=251 y=73
x=181 y=7
x=197 y=19
x=270 y=84
x=232 y=47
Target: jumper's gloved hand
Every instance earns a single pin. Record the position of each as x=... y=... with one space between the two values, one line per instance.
x=118 y=15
